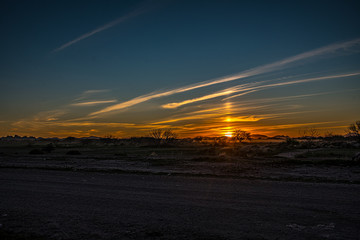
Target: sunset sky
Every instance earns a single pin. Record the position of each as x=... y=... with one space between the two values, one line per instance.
x=95 y=68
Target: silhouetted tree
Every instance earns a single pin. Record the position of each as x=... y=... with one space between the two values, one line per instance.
x=354 y=130
x=163 y=135
x=169 y=135
x=156 y=134
x=240 y=135
x=309 y=135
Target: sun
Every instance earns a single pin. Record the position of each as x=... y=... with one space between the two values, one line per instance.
x=228 y=134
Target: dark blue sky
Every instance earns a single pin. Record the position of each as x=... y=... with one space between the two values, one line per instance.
x=170 y=45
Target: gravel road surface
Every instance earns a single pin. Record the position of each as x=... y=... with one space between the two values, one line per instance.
x=45 y=204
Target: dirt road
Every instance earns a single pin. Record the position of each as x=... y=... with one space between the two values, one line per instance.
x=44 y=204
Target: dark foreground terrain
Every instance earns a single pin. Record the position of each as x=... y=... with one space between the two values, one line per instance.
x=47 y=204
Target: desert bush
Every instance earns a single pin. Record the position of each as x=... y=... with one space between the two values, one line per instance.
x=220 y=141
x=291 y=141
x=288 y=144
x=309 y=134
x=329 y=136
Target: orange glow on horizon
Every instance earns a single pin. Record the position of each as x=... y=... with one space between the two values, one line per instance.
x=228 y=134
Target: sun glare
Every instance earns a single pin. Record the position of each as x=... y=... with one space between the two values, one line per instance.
x=228 y=134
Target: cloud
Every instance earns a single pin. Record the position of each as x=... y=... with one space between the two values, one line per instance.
x=91 y=103
x=295 y=125
x=41 y=124
x=193 y=117
x=233 y=115
x=241 y=88
x=291 y=82
x=96 y=91
x=130 y=15
x=144 y=98
x=91 y=93
x=248 y=73
x=206 y=97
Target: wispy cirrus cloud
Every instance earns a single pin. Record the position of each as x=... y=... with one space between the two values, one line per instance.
x=96 y=91
x=293 y=82
x=87 y=94
x=124 y=18
x=330 y=49
x=203 y=98
x=92 y=103
x=296 y=125
x=240 y=88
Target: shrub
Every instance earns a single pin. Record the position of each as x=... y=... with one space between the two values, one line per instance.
x=291 y=141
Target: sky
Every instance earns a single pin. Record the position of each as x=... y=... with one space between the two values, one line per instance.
x=201 y=68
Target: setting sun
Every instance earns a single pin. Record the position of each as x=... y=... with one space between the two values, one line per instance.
x=179 y=119
x=228 y=134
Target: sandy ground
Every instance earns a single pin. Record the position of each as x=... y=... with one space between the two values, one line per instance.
x=45 y=204
x=256 y=168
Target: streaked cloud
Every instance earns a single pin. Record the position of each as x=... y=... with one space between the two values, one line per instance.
x=193 y=117
x=235 y=115
x=124 y=18
x=206 y=97
x=92 y=103
x=95 y=91
x=91 y=93
x=240 y=88
x=330 y=49
x=39 y=123
x=296 y=125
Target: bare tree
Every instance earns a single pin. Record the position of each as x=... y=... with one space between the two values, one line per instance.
x=163 y=135
x=169 y=135
x=354 y=130
x=329 y=134
x=240 y=135
x=156 y=134
x=311 y=133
